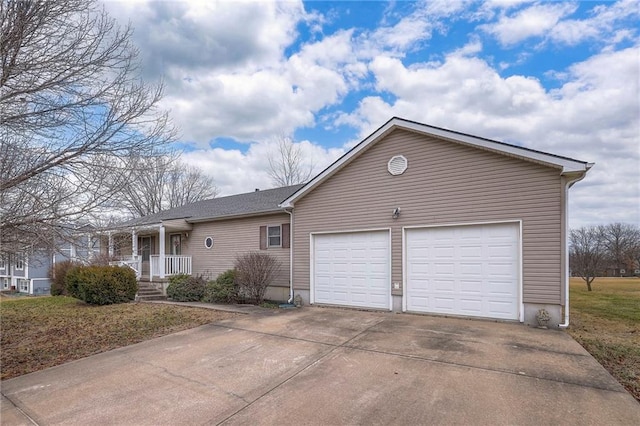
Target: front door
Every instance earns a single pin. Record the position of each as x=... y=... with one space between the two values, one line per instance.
x=176 y=244
x=145 y=252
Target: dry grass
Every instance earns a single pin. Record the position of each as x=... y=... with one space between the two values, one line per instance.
x=606 y=322
x=38 y=333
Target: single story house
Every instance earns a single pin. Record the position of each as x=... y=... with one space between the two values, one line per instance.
x=414 y=218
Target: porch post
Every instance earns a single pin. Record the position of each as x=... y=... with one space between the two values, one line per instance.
x=89 y=247
x=110 y=252
x=161 y=252
x=72 y=250
x=134 y=244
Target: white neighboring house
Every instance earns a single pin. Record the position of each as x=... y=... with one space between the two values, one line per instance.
x=27 y=271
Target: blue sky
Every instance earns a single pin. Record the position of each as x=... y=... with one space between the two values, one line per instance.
x=561 y=77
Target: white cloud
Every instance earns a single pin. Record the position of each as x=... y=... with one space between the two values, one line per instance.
x=599 y=27
x=532 y=21
x=549 y=21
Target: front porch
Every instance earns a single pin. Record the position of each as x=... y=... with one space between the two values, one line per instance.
x=154 y=252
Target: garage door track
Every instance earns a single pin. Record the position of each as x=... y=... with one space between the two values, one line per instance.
x=330 y=366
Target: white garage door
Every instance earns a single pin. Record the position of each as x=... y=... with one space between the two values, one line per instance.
x=464 y=270
x=352 y=269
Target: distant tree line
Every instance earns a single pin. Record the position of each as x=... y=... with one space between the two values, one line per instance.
x=604 y=250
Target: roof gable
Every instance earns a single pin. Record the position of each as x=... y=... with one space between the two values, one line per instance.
x=565 y=164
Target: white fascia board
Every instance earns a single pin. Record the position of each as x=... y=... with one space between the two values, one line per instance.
x=567 y=165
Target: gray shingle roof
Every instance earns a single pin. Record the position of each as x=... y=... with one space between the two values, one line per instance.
x=256 y=202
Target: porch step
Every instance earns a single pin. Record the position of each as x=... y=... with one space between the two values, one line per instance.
x=147 y=291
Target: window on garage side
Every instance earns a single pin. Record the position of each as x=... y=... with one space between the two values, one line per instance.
x=274 y=236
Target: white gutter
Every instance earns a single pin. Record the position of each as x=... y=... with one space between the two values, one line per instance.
x=568 y=185
x=290 y=255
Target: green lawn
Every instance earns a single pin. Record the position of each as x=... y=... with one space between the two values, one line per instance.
x=606 y=322
x=37 y=333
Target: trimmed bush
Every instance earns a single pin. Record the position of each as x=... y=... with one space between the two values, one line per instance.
x=223 y=289
x=102 y=285
x=185 y=288
x=58 y=275
x=254 y=272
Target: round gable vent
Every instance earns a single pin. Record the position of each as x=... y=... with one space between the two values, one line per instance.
x=397 y=165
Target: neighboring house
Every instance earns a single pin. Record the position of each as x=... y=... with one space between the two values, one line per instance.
x=27 y=271
x=414 y=218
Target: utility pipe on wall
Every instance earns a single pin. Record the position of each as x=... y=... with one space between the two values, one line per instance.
x=568 y=185
x=290 y=255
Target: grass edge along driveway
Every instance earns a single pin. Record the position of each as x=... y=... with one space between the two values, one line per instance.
x=42 y=332
x=606 y=322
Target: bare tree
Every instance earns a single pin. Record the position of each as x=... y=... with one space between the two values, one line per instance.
x=254 y=273
x=619 y=240
x=71 y=105
x=587 y=252
x=188 y=184
x=286 y=165
x=161 y=182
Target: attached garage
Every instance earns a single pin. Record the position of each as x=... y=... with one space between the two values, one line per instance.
x=351 y=269
x=471 y=270
x=472 y=227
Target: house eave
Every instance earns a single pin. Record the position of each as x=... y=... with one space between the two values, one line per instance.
x=234 y=216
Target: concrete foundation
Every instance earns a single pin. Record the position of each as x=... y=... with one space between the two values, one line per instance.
x=277 y=294
x=531 y=312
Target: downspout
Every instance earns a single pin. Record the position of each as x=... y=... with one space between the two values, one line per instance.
x=290 y=255
x=568 y=185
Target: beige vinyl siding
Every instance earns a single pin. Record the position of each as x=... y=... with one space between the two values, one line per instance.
x=232 y=237
x=445 y=183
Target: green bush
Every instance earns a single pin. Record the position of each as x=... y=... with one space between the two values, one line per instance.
x=58 y=275
x=185 y=288
x=223 y=289
x=102 y=285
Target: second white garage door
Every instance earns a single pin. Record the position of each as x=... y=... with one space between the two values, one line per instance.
x=352 y=269
x=464 y=270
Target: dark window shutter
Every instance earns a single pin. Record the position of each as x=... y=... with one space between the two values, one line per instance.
x=263 y=238
x=285 y=235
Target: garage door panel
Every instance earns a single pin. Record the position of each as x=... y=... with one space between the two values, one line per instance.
x=473 y=269
x=471 y=287
x=465 y=270
x=357 y=265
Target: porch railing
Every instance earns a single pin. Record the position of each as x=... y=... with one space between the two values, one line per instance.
x=173 y=265
x=133 y=263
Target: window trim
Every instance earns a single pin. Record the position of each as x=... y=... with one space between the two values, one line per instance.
x=269 y=245
x=19 y=262
x=212 y=242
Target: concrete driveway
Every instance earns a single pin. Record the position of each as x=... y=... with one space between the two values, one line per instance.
x=330 y=366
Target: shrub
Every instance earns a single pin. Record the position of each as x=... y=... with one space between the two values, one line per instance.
x=102 y=285
x=223 y=289
x=58 y=275
x=254 y=272
x=185 y=288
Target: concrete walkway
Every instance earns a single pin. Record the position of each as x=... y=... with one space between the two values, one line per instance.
x=330 y=366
